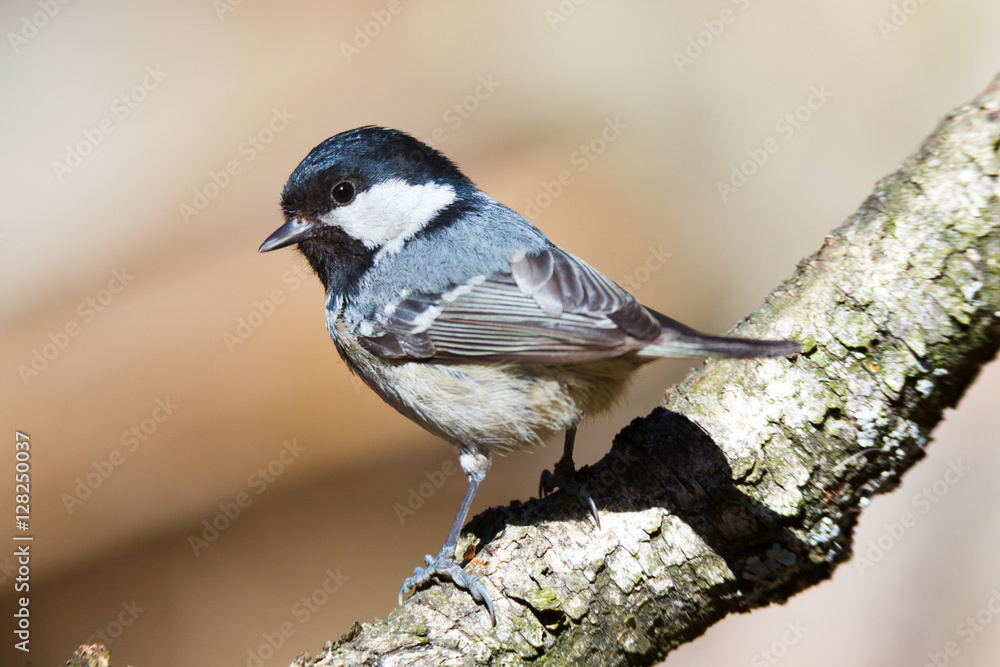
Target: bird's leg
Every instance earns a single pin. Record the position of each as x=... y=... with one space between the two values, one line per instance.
x=562 y=478
x=475 y=463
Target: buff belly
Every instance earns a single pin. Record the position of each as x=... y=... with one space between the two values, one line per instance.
x=501 y=407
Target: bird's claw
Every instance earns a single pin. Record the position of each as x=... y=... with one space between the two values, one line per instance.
x=546 y=484
x=563 y=478
x=445 y=567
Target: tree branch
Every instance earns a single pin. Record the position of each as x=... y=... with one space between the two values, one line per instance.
x=746 y=487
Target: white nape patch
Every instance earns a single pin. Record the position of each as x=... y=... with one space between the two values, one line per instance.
x=424 y=320
x=388 y=213
x=453 y=294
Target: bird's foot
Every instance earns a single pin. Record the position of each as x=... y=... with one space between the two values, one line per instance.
x=446 y=567
x=563 y=477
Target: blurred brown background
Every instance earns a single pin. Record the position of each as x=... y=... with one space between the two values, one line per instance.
x=144 y=149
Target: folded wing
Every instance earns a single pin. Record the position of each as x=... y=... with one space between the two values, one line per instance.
x=550 y=308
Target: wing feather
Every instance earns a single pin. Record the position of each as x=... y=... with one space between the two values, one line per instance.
x=550 y=308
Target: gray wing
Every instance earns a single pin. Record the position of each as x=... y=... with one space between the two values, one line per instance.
x=550 y=308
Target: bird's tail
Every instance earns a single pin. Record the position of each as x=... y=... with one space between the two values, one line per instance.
x=679 y=340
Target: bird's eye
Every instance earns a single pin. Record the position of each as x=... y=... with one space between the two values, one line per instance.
x=343 y=192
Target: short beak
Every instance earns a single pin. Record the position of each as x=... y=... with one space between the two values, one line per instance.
x=293 y=231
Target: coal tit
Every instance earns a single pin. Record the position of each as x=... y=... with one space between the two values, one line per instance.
x=463 y=316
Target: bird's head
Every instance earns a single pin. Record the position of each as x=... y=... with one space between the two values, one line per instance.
x=362 y=192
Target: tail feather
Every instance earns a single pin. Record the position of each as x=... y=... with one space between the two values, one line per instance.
x=680 y=340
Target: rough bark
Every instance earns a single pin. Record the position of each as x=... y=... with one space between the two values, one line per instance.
x=746 y=487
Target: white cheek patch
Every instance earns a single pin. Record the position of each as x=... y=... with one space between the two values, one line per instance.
x=387 y=214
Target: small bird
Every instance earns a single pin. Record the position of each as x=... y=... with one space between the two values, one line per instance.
x=466 y=318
